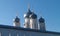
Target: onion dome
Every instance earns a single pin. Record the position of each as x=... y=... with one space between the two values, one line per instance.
x=33 y=16
x=17 y=19
x=41 y=20
x=28 y=14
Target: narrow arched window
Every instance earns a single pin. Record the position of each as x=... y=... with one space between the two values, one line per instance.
x=0 y=33
x=9 y=34
x=24 y=34
x=17 y=34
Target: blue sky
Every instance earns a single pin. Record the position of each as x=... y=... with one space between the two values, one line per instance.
x=49 y=9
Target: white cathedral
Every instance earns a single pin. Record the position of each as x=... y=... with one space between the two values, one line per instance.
x=32 y=27
x=31 y=21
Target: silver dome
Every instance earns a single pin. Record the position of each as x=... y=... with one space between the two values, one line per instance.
x=16 y=19
x=41 y=20
x=33 y=16
x=28 y=14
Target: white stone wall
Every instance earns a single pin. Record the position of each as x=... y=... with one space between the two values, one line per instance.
x=42 y=26
x=33 y=24
x=27 y=22
x=12 y=32
x=16 y=24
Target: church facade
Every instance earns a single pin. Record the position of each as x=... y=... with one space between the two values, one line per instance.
x=31 y=21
